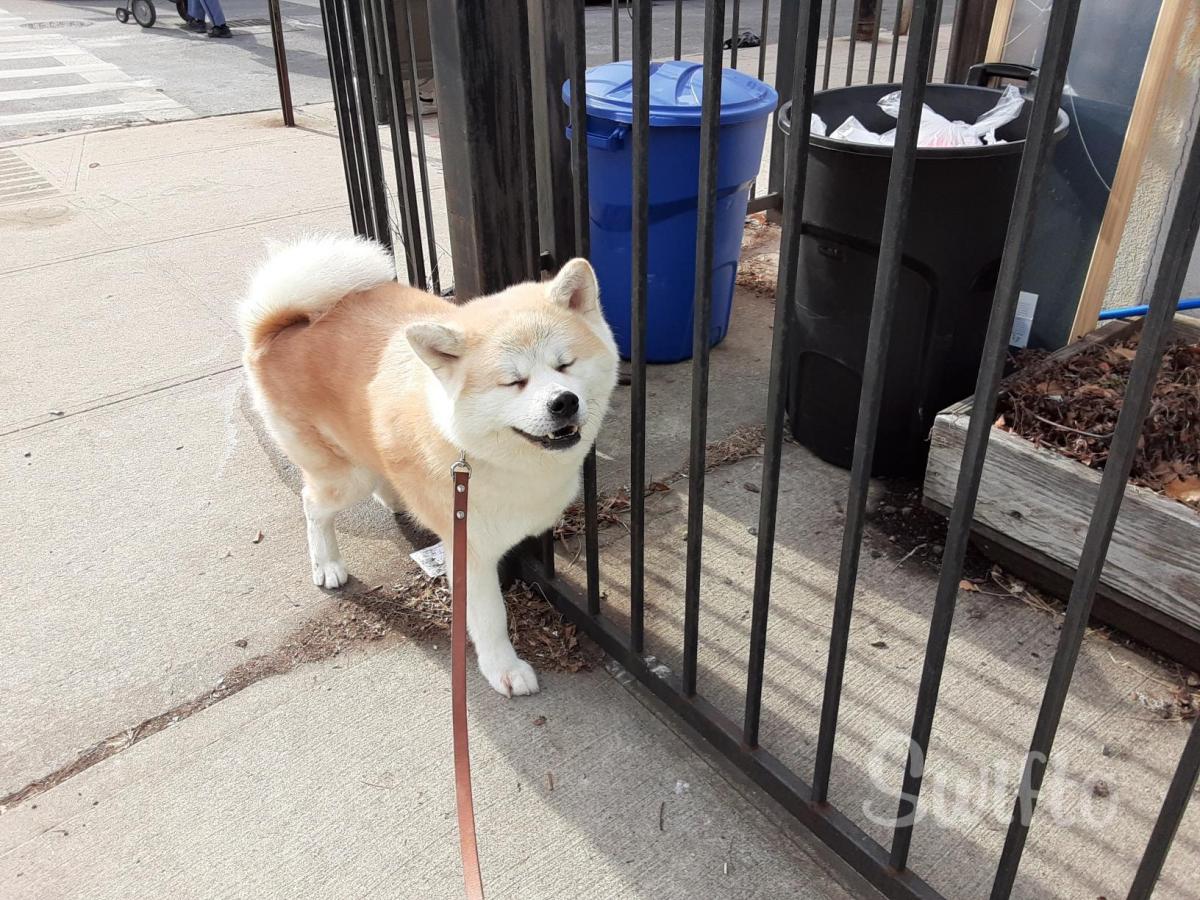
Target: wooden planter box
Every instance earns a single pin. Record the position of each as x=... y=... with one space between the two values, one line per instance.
x=1033 y=512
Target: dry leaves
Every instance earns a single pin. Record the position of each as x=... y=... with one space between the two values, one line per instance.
x=419 y=607
x=1072 y=406
x=1185 y=489
x=743 y=443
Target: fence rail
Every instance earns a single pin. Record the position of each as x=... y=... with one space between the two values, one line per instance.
x=361 y=30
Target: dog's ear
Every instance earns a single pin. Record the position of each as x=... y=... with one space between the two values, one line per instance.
x=575 y=287
x=437 y=344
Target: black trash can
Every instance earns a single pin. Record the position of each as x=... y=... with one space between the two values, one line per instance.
x=961 y=201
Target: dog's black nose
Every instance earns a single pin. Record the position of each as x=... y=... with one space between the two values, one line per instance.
x=564 y=405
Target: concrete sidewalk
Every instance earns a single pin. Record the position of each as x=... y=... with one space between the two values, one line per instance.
x=137 y=484
x=136 y=487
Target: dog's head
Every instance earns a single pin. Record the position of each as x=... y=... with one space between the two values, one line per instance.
x=527 y=371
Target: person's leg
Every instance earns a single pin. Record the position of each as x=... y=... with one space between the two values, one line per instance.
x=215 y=12
x=195 y=11
x=219 y=29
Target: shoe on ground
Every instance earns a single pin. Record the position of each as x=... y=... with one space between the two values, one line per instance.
x=220 y=31
x=426 y=97
x=196 y=25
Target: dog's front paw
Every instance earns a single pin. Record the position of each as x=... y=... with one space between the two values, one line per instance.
x=512 y=677
x=330 y=574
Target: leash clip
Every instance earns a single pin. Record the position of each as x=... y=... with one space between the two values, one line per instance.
x=461 y=465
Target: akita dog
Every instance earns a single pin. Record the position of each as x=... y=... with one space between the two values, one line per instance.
x=372 y=387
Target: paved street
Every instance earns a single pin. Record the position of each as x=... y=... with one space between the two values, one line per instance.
x=68 y=65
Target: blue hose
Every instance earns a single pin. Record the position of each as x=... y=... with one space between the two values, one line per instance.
x=1132 y=312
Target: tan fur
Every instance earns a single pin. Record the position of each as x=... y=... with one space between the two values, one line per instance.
x=349 y=384
x=377 y=388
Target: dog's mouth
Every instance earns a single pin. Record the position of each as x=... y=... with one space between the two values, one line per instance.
x=562 y=439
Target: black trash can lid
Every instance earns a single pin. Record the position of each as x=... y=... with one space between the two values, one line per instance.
x=953 y=101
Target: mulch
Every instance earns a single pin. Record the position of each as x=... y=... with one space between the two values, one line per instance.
x=1071 y=406
x=419 y=608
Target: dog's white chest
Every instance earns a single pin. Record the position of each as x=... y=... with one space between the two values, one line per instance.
x=505 y=508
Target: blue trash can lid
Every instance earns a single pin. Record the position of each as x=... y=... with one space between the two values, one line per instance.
x=676 y=92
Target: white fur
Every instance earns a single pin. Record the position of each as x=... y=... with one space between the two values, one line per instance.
x=310 y=276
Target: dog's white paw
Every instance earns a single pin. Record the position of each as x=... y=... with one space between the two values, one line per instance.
x=330 y=574
x=513 y=677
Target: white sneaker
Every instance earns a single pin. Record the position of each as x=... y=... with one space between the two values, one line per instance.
x=427 y=97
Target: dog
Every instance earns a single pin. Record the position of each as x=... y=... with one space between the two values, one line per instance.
x=372 y=387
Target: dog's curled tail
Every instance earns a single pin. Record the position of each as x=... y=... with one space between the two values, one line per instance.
x=303 y=280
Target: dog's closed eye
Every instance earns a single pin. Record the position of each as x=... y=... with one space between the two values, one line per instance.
x=518 y=383
x=562 y=367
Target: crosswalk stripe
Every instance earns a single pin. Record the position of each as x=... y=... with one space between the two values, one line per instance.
x=38 y=54
x=120 y=99
x=80 y=69
x=69 y=90
x=88 y=112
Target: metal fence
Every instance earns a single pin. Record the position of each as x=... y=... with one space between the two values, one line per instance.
x=482 y=54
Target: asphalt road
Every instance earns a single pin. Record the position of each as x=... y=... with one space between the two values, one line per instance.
x=66 y=65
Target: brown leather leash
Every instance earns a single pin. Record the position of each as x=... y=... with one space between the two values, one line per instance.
x=461 y=473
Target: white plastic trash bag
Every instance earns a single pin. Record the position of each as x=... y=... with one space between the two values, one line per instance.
x=1007 y=109
x=854 y=132
x=937 y=131
x=817 y=125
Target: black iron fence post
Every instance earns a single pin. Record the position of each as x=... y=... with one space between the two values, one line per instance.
x=550 y=23
x=969 y=37
x=281 y=66
x=785 y=67
x=481 y=67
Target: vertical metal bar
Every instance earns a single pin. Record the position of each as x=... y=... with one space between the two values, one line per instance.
x=1174 y=252
x=378 y=226
x=481 y=65
x=410 y=223
x=829 y=43
x=785 y=60
x=591 y=533
x=1038 y=146
x=874 y=43
x=714 y=21
x=350 y=93
x=762 y=39
x=1169 y=817
x=546 y=547
x=549 y=34
x=435 y=281
x=762 y=67
x=853 y=43
x=525 y=116
x=969 y=36
x=937 y=37
x=883 y=311
x=583 y=246
x=678 y=28
x=335 y=48
x=896 y=38
x=733 y=33
x=616 y=30
x=803 y=85
x=281 y=66
x=639 y=252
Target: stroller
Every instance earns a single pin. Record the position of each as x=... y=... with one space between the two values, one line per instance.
x=145 y=14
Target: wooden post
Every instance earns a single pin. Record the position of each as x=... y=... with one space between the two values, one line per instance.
x=1001 y=19
x=1172 y=17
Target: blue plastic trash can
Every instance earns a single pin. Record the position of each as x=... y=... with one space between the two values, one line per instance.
x=674 y=167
